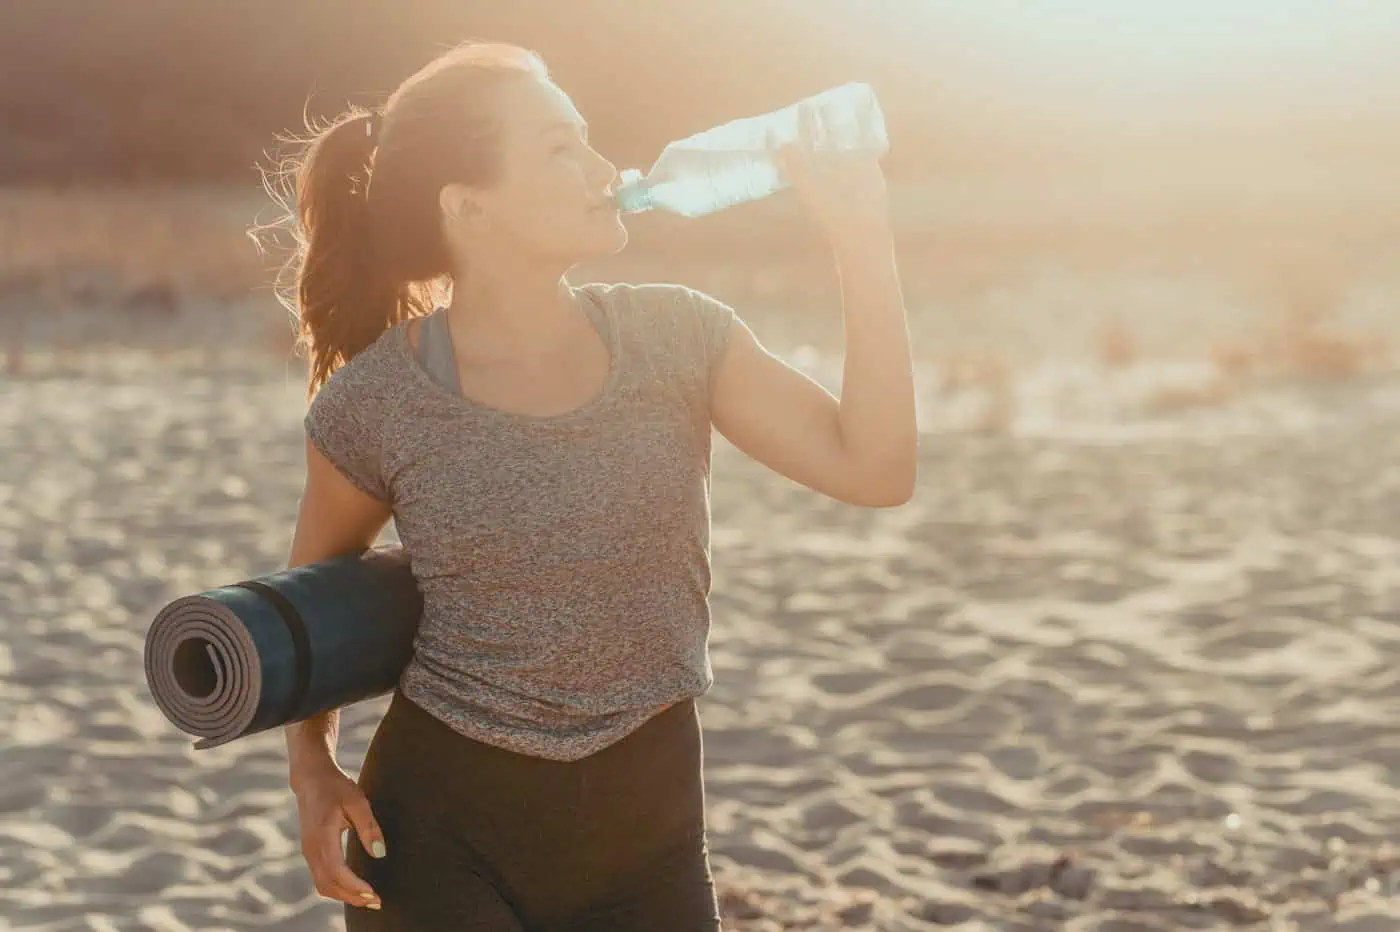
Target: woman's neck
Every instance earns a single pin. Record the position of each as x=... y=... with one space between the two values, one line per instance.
x=511 y=316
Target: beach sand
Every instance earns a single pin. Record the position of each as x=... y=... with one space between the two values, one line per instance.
x=1091 y=678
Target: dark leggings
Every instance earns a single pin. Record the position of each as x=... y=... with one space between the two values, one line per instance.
x=484 y=839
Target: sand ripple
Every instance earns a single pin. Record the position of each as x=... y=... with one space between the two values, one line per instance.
x=1146 y=685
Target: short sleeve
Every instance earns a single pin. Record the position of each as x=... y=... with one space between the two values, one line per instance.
x=344 y=422
x=713 y=321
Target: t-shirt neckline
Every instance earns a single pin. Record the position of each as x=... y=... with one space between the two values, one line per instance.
x=600 y=315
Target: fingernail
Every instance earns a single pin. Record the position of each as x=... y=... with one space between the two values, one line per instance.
x=378 y=850
x=374 y=905
x=366 y=896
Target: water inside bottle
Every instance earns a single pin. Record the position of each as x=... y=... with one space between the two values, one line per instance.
x=736 y=162
x=699 y=181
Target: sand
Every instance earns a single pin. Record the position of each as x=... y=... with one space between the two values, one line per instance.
x=1107 y=671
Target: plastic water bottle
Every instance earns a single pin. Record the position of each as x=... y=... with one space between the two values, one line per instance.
x=737 y=162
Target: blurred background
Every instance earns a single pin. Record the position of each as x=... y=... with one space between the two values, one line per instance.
x=1208 y=181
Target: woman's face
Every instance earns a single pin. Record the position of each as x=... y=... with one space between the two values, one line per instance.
x=552 y=197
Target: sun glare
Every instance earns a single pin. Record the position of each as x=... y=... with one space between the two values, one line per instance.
x=1171 y=46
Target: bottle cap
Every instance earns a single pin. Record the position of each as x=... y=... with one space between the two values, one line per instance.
x=631 y=194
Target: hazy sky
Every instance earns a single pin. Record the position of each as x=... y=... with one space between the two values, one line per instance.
x=1135 y=48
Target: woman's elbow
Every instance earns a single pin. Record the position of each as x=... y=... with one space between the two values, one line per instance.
x=892 y=497
x=889 y=488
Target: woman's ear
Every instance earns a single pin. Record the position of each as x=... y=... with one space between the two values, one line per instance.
x=457 y=204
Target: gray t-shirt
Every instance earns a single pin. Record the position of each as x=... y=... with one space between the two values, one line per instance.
x=564 y=561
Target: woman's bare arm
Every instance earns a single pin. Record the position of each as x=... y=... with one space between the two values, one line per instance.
x=862 y=448
x=335 y=517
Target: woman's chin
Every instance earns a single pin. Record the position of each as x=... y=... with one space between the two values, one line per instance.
x=620 y=240
x=599 y=241
x=611 y=239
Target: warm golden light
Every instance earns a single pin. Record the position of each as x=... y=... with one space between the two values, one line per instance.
x=1044 y=566
x=1178 y=47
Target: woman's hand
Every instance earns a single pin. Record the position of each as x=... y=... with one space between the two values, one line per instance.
x=844 y=191
x=328 y=803
x=863 y=448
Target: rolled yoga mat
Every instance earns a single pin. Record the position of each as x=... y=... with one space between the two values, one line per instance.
x=280 y=648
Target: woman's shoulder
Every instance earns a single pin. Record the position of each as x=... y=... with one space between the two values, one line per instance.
x=670 y=321
x=642 y=295
x=352 y=412
x=657 y=306
x=372 y=373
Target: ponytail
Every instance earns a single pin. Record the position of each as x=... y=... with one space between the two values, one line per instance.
x=344 y=300
x=365 y=219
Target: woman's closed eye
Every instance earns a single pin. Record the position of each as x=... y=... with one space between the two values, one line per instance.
x=574 y=146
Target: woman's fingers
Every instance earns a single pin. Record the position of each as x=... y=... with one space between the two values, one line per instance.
x=331 y=874
x=340 y=882
x=361 y=816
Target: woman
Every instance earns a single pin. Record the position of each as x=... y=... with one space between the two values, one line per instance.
x=544 y=450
